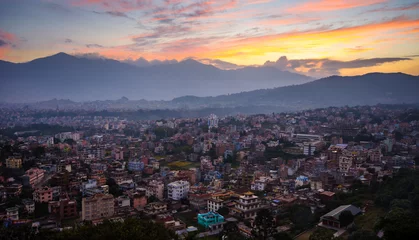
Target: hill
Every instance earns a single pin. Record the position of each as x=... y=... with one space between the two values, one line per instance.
x=64 y=76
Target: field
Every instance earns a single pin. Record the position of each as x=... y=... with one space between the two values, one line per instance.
x=368 y=220
x=182 y=165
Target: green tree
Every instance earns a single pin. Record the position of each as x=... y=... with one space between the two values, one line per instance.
x=264 y=224
x=363 y=234
x=400 y=224
x=224 y=211
x=346 y=218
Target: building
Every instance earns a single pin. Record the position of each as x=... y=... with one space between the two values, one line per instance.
x=29 y=205
x=259 y=184
x=310 y=147
x=12 y=213
x=63 y=208
x=90 y=184
x=213 y=204
x=155 y=188
x=212 y=121
x=35 y=176
x=43 y=195
x=208 y=219
x=331 y=219
x=247 y=206
x=13 y=162
x=178 y=190
x=135 y=166
x=97 y=207
x=155 y=208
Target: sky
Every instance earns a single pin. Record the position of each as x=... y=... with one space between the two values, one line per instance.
x=316 y=38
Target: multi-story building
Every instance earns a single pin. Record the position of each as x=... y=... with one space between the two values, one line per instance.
x=213 y=204
x=35 y=176
x=155 y=208
x=155 y=188
x=29 y=205
x=178 y=190
x=13 y=162
x=259 y=184
x=208 y=220
x=135 y=166
x=247 y=206
x=43 y=195
x=12 y=213
x=63 y=208
x=345 y=162
x=97 y=207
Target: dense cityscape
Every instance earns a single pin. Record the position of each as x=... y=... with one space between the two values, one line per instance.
x=315 y=174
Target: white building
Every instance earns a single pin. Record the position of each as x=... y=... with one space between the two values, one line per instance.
x=155 y=188
x=212 y=121
x=178 y=190
x=259 y=184
x=213 y=204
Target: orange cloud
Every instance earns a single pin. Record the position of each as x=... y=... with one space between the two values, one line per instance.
x=332 y=5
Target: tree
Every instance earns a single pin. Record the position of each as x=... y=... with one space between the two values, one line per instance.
x=400 y=224
x=224 y=211
x=346 y=218
x=363 y=234
x=264 y=224
x=231 y=232
x=400 y=203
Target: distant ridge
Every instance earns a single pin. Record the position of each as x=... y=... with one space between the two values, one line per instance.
x=63 y=76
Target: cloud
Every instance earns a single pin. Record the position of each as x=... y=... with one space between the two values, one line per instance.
x=407 y=7
x=68 y=40
x=142 y=62
x=115 y=14
x=91 y=55
x=331 y=5
x=357 y=49
x=3 y=43
x=115 y=5
x=94 y=46
x=220 y=64
x=326 y=67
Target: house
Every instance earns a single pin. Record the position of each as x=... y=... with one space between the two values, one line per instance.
x=209 y=218
x=331 y=219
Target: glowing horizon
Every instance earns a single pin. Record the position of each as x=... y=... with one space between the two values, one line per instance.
x=318 y=38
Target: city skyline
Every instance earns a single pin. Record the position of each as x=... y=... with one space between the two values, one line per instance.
x=316 y=38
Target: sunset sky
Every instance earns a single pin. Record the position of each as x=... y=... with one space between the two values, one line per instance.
x=316 y=38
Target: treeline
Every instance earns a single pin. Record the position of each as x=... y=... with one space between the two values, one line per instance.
x=129 y=229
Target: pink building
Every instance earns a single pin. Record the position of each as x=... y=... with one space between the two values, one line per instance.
x=35 y=176
x=43 y=195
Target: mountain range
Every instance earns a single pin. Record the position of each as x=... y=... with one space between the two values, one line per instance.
x=65 y=76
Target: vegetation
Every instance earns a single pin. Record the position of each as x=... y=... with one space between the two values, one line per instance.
x=129 y=229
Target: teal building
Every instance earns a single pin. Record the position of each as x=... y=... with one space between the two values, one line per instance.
x=209 y=218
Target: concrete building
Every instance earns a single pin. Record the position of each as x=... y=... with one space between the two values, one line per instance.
x=97 y=207
x=12 y=213
x=208 y=219
x=35 y=176
x=213 y=204
x=29 y=205
x=247 y=206
x=63 y=208
x=155 y=188
x=13 y=162
x=178 y=190
x=43 y=195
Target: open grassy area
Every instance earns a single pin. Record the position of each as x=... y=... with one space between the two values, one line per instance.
x=368 y=220
x=305 y=235
x=182 y=165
